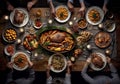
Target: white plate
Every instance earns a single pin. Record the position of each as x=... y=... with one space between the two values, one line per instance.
x=15 y=66
x=69 y=14
x=110 y=26
x=6 y=52
x=52 y=68
x=100 y=12
x=104 y=60
x=26 y=19
x=36 y=26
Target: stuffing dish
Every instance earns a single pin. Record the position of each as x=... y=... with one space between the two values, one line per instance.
x=58 y=62
x=20 y=61
x=56 y=41
x=94 y=15
x=62 y=14
x=102 y=39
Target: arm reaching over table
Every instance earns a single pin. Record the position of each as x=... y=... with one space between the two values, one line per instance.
x=83 y=5
x=49 y=77
x=101 y=79
x=114 y=73
x=52 y=7
x=20 y=3
x=84 y=72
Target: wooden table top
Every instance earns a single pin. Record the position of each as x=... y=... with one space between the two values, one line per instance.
x=40 y=65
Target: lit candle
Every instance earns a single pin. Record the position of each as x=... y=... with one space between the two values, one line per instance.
x=21 y=30
x=74 y=18
x=50 y=21
x=18 y=41
x=35 y=54
x=6 y=17
x=89 y=47
x=100 y=25
x=108 y=52
x=70 y=23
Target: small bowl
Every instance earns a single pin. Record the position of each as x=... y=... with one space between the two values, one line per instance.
x=37 y=23
x=9 y=35
x=9 y=50
x=110 y=15
x=82 y=23
x=110 y=26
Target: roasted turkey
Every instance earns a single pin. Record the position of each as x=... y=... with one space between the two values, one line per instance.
x=97 y=61
x=58 y=37
x=18 y=17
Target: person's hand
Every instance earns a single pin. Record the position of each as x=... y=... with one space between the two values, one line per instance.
x=105 y=9
x=48 y=67
x=82 y=11
x=10 y=7
x=70 y=6
x=10 y=65
x=69 y=63
x=88 y=60
x=48 y=70
x=108 y=59
x=30 y=63
x=75 y=28
x=29 y=5
x=53 y=12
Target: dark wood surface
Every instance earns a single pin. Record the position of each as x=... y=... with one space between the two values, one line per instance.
x=113 y=6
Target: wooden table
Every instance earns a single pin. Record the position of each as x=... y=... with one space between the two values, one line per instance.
x=40 y=65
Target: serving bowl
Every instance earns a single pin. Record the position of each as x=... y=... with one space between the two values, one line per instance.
x=58 y=62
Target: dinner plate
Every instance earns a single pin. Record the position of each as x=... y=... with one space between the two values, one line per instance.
x=15 y=66
x=102 y=39
x=67 y=18
x=37 y=23
x=97 y=9
x=110 y=25
x=13 y=50
x=26 y=18
x=104 y=60
x=57 y=62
